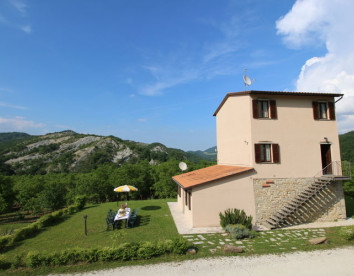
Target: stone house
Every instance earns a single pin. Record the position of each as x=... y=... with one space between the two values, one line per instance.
x=278 y=158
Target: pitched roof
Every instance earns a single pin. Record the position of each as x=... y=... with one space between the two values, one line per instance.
x=281 y=93
x=205 y=175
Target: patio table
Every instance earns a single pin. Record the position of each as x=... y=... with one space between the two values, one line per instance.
x=120 y=217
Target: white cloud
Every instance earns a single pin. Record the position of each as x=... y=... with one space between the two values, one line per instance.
x=142 y=120
x=20 y=6
x=211 y=59
x=18 y=123
x=12 y=106
x=312 y=22
x=12 y=19
x=27 y=29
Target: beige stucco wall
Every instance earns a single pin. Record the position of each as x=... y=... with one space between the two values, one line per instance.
x=217 y=196
x=233 y=127
x=181 y=203
x=298 y=135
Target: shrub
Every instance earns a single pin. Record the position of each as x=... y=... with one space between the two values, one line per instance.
x=26 y=232
x=239 y=231
x=147 y=250
x=5 y=241
x=235 y=216
x=347 y=233
x=180 y=246
x=4 y=264
x=19 y=262
x=94 y=198
x=128 y=251
x=80 y=202
x=34 y=259
x=125 y=252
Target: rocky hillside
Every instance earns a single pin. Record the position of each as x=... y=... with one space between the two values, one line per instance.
x=68 y=151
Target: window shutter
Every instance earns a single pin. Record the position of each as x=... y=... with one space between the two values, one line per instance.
x=255 y=109
x=273 y=109
x=257 y=150
x=276 y=153
x=332 y=113
x=189 y=200
x=315 y=110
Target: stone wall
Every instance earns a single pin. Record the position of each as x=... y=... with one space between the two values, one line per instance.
x=272 y=194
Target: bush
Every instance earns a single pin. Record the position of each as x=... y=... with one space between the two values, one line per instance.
x=34 y=259
x=4 y=264
x=125 y=252
x=94 y=198
x=5 y=241
x=235 y=216
x=180 y=246
x=26 y=232
x=347 y=233
x=18 y=262
x=80 y=202
x=239 y=231
x=147 y=250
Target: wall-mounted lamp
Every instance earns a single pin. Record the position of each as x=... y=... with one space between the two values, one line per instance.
x=326 y=139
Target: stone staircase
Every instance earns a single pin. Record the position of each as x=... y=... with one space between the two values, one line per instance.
x=283 y=216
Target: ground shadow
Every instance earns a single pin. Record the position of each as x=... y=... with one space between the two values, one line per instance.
x=150 y=208
x=142 y=220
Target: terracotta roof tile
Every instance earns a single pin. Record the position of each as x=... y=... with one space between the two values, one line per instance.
x=208 y=174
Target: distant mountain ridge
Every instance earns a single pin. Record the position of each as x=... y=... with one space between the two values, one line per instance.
x=68 y=151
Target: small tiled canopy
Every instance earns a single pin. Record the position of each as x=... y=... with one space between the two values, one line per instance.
x=205 y=175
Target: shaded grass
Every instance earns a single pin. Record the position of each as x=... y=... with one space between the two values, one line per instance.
x=153 y=224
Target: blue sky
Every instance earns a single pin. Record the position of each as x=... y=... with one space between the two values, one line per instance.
x=155 y=71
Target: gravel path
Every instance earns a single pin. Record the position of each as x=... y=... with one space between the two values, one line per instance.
x=324 y=262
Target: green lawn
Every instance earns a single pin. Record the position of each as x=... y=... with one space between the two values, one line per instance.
x=154 y=223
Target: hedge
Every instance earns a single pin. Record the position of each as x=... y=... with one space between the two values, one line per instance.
x=124 y=252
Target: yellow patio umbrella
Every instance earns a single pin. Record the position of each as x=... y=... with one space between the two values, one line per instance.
x=125 y=189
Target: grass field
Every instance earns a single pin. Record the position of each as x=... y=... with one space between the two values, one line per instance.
x=154 y=223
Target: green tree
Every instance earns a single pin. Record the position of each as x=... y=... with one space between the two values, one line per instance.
x=53 y=196
x=7 y=193
x=164 y=187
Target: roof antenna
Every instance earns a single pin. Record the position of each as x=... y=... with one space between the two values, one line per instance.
x=246 y=79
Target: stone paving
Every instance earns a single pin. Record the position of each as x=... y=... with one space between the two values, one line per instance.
x=276 y=238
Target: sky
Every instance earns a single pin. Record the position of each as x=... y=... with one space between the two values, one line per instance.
x=156 y=70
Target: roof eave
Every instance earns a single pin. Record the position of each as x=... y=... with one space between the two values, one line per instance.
x=280 y=93
x=209 y=181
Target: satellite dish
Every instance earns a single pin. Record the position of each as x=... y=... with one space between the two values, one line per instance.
x=183 y=166
x=247 y=80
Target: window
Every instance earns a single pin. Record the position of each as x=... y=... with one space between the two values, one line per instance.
x=179 y=191
x=267 y=153
x=323 y=111
x=264 y=109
